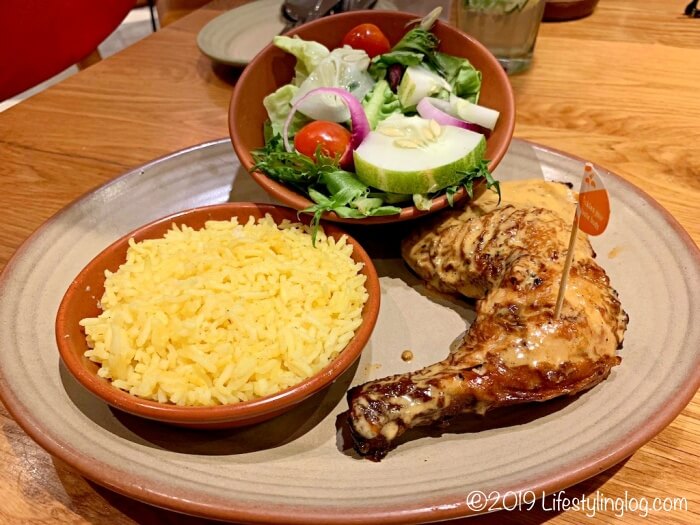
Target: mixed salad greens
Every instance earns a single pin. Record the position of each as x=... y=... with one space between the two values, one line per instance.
x=366 y=128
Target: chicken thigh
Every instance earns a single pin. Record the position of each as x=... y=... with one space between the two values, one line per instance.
x=510 y=259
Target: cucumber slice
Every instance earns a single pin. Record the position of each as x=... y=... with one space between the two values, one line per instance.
x=465 y=110
x=418 y=83
x=414 y=155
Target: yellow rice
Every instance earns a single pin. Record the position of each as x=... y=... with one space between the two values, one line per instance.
x=227 y=313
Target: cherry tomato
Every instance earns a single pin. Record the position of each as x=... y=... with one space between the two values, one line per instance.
x=369 y=38
x=333 y=139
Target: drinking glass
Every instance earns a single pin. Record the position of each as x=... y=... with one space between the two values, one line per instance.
x=508 y=28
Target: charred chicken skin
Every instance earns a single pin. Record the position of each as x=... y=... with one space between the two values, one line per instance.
x=510 y=259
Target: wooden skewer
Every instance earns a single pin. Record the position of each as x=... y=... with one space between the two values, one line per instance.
x=567 y=267
x=587 y=171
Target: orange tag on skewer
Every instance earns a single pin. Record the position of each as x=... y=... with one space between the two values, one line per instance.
x=593 y=210
x=592 y=216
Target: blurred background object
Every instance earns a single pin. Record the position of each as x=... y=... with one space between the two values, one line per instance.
x=423 y=7
x=137 y=25
x=559 y=10
x=170 y=11
x=40 y=38
x=508 y=28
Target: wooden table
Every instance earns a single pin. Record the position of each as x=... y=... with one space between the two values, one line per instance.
x=619 y=88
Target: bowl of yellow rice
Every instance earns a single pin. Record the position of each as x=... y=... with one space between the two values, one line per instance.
x=223 y=315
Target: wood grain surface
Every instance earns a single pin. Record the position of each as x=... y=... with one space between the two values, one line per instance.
x=619 y=88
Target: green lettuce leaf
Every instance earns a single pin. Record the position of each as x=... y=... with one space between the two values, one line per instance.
x=418 y=40
x=462 y=76
x=290 y=167
x=328 y=186
x=417 y=46
x=481 y=171
x=422 y=201
x=278 y=106
x=381 y=63
x=308 y=53
x=343 y=186
x=347 y=196
x=380 y=103
x=478 y=173
x=344 y=68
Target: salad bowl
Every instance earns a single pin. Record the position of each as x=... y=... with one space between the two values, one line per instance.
x=273 y=68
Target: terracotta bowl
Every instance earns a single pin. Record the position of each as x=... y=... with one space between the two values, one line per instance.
x=272 y=68
x=80 y=302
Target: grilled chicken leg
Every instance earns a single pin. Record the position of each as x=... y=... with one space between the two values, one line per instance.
x=511 y=260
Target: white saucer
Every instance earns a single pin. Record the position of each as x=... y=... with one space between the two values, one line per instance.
x=236 y=36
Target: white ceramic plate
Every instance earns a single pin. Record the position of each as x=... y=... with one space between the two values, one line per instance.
x=236 y=36
x=296 y=467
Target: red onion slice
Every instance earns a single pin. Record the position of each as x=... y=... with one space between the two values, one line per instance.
x=358 y=119
x=428 y=108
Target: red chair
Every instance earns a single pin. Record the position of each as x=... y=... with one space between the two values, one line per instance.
x=40 y=38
